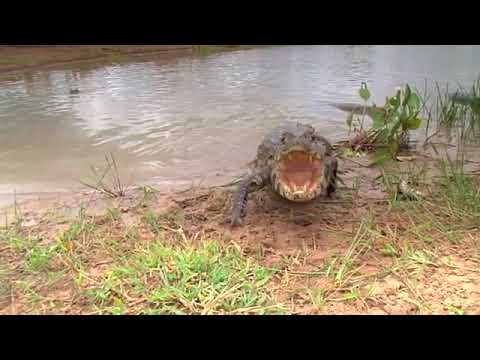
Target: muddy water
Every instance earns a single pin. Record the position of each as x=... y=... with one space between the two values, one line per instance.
x=175 y=121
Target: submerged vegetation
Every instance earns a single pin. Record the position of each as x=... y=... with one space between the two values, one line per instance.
x=414 y=249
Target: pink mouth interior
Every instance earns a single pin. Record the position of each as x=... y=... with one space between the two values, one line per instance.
x=298 y=169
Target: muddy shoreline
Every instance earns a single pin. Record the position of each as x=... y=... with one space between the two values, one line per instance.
x=25 y=58
x=360 y=252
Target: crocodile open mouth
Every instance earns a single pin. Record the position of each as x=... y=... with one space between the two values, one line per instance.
x=299 y=172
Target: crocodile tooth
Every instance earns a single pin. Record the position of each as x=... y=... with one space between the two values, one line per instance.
x=299 y=190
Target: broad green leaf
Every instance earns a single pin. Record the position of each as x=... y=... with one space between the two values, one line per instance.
x=395 y=127
x=382 y=135
x=378 y=118
x=413 y=123
x=364 y=92
x=377 y=111
x=403 y=119
x=393 y=148
x=387 y=102
x=395 y=101
x=413 y=101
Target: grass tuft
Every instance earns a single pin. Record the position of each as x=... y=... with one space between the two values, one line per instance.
x=173 y=280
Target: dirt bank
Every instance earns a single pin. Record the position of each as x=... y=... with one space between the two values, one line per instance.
x=16 y=58
x=361 y=252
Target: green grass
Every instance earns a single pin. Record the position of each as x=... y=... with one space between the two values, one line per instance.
x=149 y=194
x=167 y=221
x=360 y=245
x=317 y=297
x=72 y=233
x=389 y=250
x=114 y=214
x=38 y=258
x=454 y=310
x=82 y=227
x=174 y=280
x=165 y=264
x=163 y=275
x=351 y=295
x=16 y=240
x=462 y=193
x=453 y=113
x=132 y=234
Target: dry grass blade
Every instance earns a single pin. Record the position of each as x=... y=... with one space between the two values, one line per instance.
x=116 y=189
x=211 y=304
x=254 y=309
x=120 y=189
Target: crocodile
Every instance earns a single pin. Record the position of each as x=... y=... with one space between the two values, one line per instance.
x=295 y=162
x=359 y=109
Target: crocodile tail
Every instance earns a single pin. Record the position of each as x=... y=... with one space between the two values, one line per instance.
x=462 y=98
x=360 y=109
x=348 y=107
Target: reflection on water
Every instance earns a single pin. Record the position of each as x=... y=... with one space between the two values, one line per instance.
x=195 y=117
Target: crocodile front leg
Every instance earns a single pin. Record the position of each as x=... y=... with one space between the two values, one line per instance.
x=332 y=185
x=250 y=184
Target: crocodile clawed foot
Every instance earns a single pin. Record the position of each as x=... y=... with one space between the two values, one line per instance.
x=236 y=221
x=331 y=191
